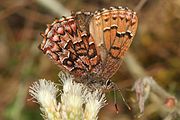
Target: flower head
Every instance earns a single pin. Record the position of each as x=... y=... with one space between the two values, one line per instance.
x=77 y=101
x=45 y=93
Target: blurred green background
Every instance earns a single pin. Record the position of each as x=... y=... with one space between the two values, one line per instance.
x=156 y=47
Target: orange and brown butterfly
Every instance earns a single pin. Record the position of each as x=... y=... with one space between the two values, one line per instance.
x=91 y=46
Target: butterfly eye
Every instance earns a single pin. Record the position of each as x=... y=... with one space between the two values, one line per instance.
x=108 y=83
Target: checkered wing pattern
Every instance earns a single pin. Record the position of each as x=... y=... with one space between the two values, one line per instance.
x=69 y=45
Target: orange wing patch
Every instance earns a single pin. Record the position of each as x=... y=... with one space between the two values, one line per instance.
x=115 y=29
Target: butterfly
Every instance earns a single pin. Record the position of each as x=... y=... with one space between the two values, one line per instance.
x=91 y=46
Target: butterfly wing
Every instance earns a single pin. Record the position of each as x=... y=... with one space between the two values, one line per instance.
x=70 y=46
x=113 y=30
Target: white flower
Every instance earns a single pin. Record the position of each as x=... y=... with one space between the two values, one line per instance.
x=77 y=102
x=94 y=102
x=45 y=93
x=71 y=98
